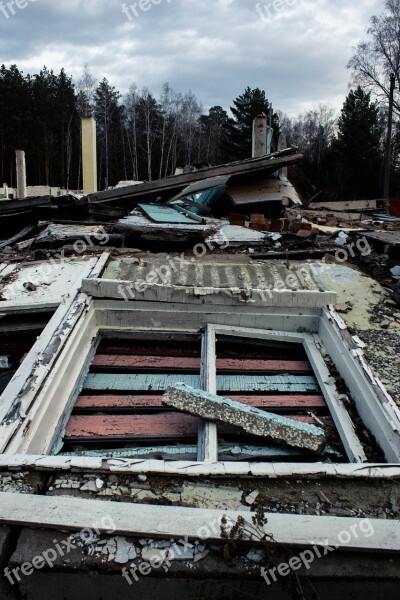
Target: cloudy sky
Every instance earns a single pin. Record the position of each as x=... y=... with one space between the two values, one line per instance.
x=297 y=51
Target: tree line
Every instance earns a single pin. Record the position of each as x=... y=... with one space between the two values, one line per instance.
x=144 y=137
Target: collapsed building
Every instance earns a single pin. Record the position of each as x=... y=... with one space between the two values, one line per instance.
x=200 y=390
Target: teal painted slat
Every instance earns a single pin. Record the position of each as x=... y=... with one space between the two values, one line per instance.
x=164 y=214
x=265 y=383
x=225 y=383
x=140 y=383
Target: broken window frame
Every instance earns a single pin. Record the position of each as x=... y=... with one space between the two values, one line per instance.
x=52 y=396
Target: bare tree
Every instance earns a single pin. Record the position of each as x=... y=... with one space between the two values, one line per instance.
x=86 y=88
x=190 y=117
x=375 y=59
x=312 y=131
x=132 y=103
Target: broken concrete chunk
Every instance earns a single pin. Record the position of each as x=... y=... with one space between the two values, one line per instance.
x=90 y=486
x=252 y=420
x=153 y=555
x=177 y=552
x=251 y=498
x=125 y=551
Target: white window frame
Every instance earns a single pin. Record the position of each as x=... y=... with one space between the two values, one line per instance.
x=47 y=402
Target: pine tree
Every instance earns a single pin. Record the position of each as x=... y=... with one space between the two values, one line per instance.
x=107 y=115
x=215 y=126
x=358 y=148
x=240 y=129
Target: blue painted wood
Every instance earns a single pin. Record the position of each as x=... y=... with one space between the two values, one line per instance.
x=265 y=383
x=140 y=382
x=225 y=383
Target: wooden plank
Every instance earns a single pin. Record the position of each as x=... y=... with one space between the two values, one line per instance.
x=251 y=420
x=125 y=402
x=225 y=383
x=208 y=433
x=141 y=382
x=178 y=522
x=19 y=236
x=135 y=348
x=186 y=363
x=130 y=402
x=283 y=402
x=149 y=363
x=163 y=426
x=269 y=163
x=357 y=205
x=381 y=418
x=341 y=417
x=21 y=392
x=185 y=452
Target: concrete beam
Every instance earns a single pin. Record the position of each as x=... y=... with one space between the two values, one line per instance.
x=252 y=420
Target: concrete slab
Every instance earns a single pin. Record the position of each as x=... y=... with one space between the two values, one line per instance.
x=252 y=420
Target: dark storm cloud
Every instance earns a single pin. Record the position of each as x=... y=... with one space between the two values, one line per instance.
x=296 y=50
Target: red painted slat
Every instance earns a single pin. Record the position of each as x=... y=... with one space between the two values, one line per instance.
x=155 y=349
x=163 y=426
x=167 y=425
x=182 y=363
x=146 y=362
x=291 y=402
x=109 y=402
x=287 y=366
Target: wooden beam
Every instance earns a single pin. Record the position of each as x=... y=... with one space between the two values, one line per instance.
x=41 y=430
x=119 y=318
x=20 y=393
x=25 y=510
x=251 y=420
x=382 y=417
x=208 y=434
x=269 y=163
x=341 y=417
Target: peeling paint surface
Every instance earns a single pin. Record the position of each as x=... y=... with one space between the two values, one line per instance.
x=45 y=281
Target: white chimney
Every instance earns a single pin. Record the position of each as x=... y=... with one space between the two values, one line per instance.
x=89 y=155
x=21 y=174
